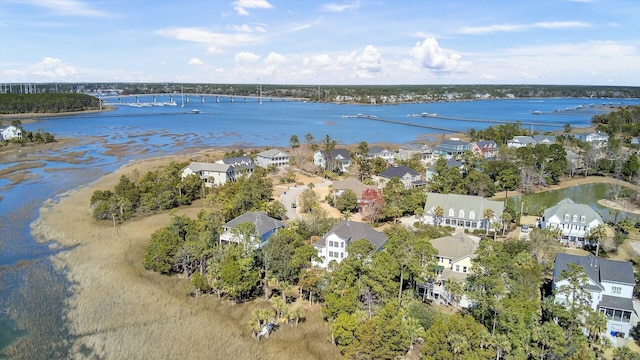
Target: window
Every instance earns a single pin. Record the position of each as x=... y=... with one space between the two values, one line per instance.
x=575 y=218
x=464 y=269
x=566 y=217
x=458 y=268
x=330 y=243
x=583 y=219
x=451 y=212
x=472 y=215
x=341 y=244
x=461 y=214
x=616 y=290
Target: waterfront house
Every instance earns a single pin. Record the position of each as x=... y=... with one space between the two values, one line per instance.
x=265 y=226
x=596 y=139
x=409 y=151
x=452 y=148
x=520 y=141
x=574 y=220
x=485 y=149
x=242 y=165
x=272 y=157
x=453 y=264
x=409 y=177
x=544 y=139
x=380 y=152
x=333 y=245
x=338 y=159
x=608 y=289
x=10 y=132
x=212 y=174
x=466 y=211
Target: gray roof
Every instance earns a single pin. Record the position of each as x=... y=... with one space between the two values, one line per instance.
x=236 y=160
x=597 y=269
x=568 y=206
x=263 y=223
x=398 y=171
x=615 y=302
x=455 y=246
x=489 y=143
x=415 y=147
x=539 y=139
x=344 y=153
x=375 y=150
x=352 y=230
x=452 y=142
x=468 y=203
x=523 y=139
x=271 y=153
x=205 y=166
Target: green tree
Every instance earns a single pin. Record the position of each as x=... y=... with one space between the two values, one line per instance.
x=308 y=200
x=294 y=141
x=348 y=201
x=383 y=337
x=456 y=337
x=160 y=252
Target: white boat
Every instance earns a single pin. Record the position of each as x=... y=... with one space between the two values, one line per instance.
x=537 y=112
x=194 y=111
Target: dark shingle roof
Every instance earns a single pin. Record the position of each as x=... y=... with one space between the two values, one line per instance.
x=398 y=171
x=262 y=222
x=352 y=230
x=597 y=269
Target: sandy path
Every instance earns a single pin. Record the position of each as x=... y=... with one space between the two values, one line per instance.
x=119 y=310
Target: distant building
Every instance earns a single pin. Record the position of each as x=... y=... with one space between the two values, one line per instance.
x=273 y=157
x=409 y=177
x=10 y=132
x=383 y=153
x=340 y=159
x=212 y=174
x=409 y=151
x=242 y=165
x=520 y=141
x=485 y=149
x=452 y=148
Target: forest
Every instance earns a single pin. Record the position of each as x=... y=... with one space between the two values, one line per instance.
x=46 y=103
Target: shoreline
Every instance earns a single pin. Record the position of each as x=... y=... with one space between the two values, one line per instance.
x=30 y=118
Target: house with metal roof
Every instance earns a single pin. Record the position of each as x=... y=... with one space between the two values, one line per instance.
x=466 y=211
x=265 y=226
x=574 y=220
x=333 y=245
x=608 y=289
x=272 y=157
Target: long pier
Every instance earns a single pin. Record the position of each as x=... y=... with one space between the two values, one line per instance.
x=424 y=126
x=491 y=121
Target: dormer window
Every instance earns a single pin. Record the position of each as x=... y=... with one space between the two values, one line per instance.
x=566 y=217
x=472 y=215
x=451 y=212
x=575 y=218
x=583 y=219
x=461 y=214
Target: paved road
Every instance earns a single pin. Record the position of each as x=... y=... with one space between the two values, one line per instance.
x=291 y=195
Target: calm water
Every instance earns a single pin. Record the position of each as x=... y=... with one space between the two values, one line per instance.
x=535 y=204
x=25 y=271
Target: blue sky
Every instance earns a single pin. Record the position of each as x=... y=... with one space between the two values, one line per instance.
x=582 y=42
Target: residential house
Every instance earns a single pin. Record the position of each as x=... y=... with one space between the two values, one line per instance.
x=339 y=159
x=608 y=289
x=452 y=148
x=333 y=245
x=486 y=149
x=575 y=221
x=635 y=140
x=242 y=165
x=592 y=137
x=265 y=227
x=212 y=174
x=354 y=185
x=466 y=211
x=451 y=163
x=520 y=141
x=383 y=153
x=409 y=151
x=453 y=264
x=409 y=177
x=10 y=132
x=273 y=157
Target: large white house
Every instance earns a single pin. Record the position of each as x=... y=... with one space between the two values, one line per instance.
x=462 y=210
x=575 y=220
x=242 y=165
x=273 y=157
x=213 y=174
x=10 y=132
x=608 y=289
x=338 y=159
x=333 y=245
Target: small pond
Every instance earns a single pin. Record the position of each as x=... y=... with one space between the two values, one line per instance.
x=535 y=204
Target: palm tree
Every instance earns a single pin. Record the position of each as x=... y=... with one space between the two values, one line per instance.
x=506 y=219
x=597 y=233
x=488 y=215
x=458 y=344
x=438 y=213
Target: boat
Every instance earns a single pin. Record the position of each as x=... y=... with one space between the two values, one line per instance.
x=194 y=111
x=536 y=112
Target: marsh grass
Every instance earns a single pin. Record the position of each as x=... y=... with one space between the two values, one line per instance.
x=119 y=310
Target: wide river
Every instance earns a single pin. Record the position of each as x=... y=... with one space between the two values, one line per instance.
x=33 y=293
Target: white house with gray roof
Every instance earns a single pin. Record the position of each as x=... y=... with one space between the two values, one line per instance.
x=242 y=165
x=333 y=245
x=608 y=289
x=520 y=141
x=265 y=227
x=339 y=159
x=273 y=157
x=212 y=174
x=409 y=177
x=466 y=211
x=10 y=132
x=575 y=220
x=383 y=153
x=412 y=150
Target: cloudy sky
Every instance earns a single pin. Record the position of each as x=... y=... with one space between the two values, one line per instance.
x=583 y=42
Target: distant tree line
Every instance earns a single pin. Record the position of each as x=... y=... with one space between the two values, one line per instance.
x=46 y=103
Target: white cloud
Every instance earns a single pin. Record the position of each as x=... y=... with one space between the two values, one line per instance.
x=318 y=60
x=195 y=61
x=432 y=56
x=475 y=30
x=52 y=68
x=216 y=41
x=333 y=7
x=275 y=58
x=369 y=61
x=214 y=50
x=242 y=28
x=68 y=7
x=246 y=57
x=241 y=6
